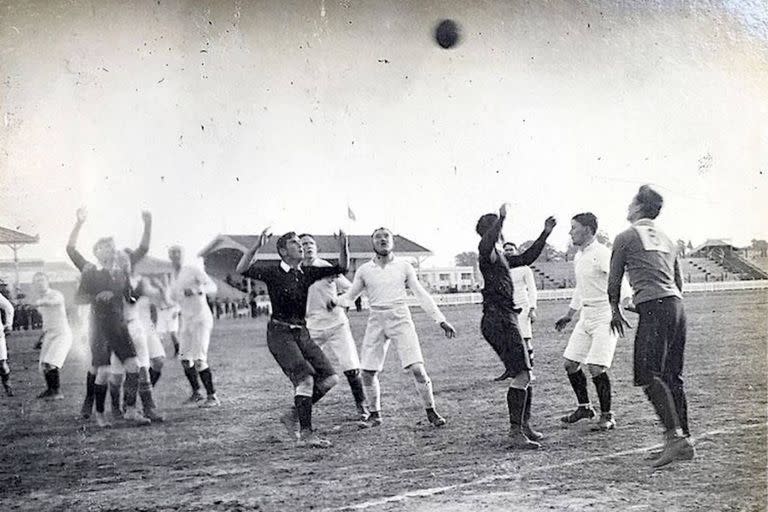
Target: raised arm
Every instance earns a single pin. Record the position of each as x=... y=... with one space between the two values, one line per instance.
x=72 y=251
x=487 y=246
x=6 y=306
x=343 y=251
x=532 y=253
x=244 y=265
x=143 y=247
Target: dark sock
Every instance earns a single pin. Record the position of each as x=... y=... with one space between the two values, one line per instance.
x=114 y=396
x=4 y=376
x=603 y=386
x=145 y=393
x=579 y=385
x=191 y=374
x=527 y=409
x=662 y=401
x=130 y=389
x=48 y=375
x=55 y=383
x=318 y=393
x=681 y=406
x=100 y=394
x=356 y=385
x=90 y=387
x=207 y=378
x=516 y=400
x=154 y=376
x=304 y=411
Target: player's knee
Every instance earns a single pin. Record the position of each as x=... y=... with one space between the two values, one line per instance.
x=187 y=364
x=156 y=363
x=306 y=386
x=47 y=367
x=102 y=375
x=328 y=382
x=352 y=374
x=571 y=366
x=596 y=370
x=368 y=377
x=520 y=381
x=419 y=372
x=4 y=366
x=131 y=365
x=201 y=364
x=116 y=379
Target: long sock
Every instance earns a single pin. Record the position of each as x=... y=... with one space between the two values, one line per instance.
x=356 y=385
x=131 y=389
x=603 y=387
x=55 y=383
x=681 y=406
x=114 y=395
x=516 y=400
x=5 y=376
x=100 y=394
x=373 y=391
x=90 y=390
x=191 y=373
x=527 y=409
x=145 y=393
x=207 y=378
x=48 y=375
x=425 y=392
x=662 y=401
x=154 y=376
x=304 y=411
x=579 y=385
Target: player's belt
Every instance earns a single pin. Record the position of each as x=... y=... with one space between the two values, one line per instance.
x=598 y=304
x=387 y=308
x=285 y=324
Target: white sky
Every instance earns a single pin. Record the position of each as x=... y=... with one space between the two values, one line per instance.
x=555 y=107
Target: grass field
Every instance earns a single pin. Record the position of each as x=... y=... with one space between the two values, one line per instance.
x=237 y=457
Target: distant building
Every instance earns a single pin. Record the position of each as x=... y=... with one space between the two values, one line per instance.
x=447 y=279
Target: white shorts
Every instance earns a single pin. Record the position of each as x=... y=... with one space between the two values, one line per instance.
x=167 y=320
x=3 y=346
x=385 y=326
x=139 y=338
x=524 y=323
x=154 y=344
x=55 y=348
x=592 y=341
x=337 y=343
x=194 y=338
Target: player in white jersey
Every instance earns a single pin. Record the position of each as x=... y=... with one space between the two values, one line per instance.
x=330 y=329
x=525 y=297
x=5 y=370
x=149 y=350
x=189 y=288
x=167 y=325
x=57 y=336
x=591 y=343
x=385 y=279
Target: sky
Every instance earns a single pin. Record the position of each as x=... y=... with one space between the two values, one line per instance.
x=229 y=116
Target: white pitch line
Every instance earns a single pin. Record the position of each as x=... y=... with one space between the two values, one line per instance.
x=431 y=491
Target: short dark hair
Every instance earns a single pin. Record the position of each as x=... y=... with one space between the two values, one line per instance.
x=650 y=202
x=382 y=228
x=485 y=222
x=588 y=220
x=283 y=240
x=103 y=241
x=306 y=234
x=513 y=244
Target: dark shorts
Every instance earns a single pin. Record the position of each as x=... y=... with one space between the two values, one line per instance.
x=109 y=334
x=660 y=341
x=296 y=353
x=500 y=330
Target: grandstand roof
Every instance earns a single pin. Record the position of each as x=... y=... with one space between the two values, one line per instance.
x=711 y=243
x=12 y=237
x=151 y=265
x=327 y=246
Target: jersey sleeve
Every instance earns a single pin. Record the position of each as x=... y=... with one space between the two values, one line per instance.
x=530 y=284
x=77 y=259
x=425 y=299
x=617 y=264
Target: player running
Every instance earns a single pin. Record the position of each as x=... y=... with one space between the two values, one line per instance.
x=189 y=288
x=57 y=335
x=106 y=286
x=385 y=279
x=525 y=297
x=5 y=370
x=499 y=324
x=650 y=259
x=288 y=340
x=330 y=329
x=592 y=342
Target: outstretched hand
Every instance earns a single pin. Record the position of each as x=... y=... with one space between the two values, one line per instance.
x=504 y=209
x=82 y=214
x=146 y=216
x=265 y=236
x=618 y=322
x=560 y=324
x=448 y=330
x=550 y=224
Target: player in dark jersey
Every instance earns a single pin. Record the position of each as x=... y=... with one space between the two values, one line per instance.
x=302 y=361
x=649 y=257
x=499 y=323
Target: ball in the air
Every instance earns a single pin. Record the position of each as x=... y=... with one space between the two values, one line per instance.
x=447 y=34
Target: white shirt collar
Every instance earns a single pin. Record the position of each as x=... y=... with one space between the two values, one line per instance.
x=287 y=268
x=643 y=222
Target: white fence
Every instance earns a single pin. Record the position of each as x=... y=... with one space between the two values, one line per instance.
x=453 y=299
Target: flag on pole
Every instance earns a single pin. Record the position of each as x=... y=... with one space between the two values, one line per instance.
x=350 y=213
